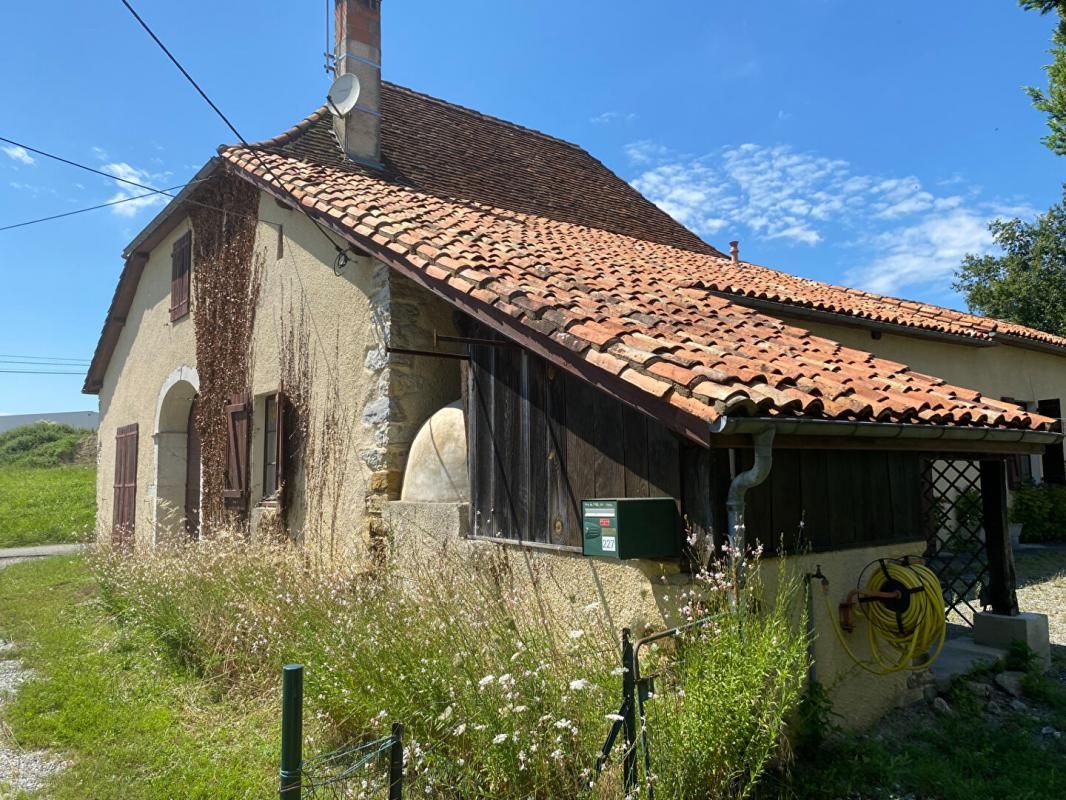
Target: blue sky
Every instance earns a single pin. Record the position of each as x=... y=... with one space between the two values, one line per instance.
x=863 y=143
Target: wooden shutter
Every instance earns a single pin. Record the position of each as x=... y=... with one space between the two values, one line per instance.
x=1054 y=460
x=180 y=277
x=238 y=428
x=124 y=511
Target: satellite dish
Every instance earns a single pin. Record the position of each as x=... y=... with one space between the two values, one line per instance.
x=343 y=94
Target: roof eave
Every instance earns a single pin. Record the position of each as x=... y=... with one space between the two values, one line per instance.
x=809 y=313
x=893 y=435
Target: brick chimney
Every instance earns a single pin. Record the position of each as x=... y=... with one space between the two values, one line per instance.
x=357 y=50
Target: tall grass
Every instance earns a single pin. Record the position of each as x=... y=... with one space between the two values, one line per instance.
x=46 y=506
x=499 y=698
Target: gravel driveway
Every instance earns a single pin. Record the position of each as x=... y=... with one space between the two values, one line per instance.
x=1042 y=586
x=20 y=769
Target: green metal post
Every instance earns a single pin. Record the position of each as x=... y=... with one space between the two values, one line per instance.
x=396 y=763
x=292 y=697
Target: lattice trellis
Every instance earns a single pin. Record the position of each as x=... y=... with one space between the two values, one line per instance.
x=955 y=535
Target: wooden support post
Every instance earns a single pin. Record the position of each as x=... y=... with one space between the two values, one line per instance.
x=1001 y=594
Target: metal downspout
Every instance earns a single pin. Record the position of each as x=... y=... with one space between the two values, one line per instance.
x=748 y=479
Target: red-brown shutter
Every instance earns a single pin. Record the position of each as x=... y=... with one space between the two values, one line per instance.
x=124 y=511
x=238 y=428
x=180 y=277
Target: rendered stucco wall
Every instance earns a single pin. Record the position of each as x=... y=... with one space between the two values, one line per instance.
x=366 y=404
x=858 y=696
x=150 y=347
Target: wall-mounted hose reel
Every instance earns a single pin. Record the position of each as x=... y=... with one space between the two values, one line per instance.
x=902 y=603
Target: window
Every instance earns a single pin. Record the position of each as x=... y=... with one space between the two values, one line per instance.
x=1019 y=465
x=1054 y=459
x=271 y=447
x=180 y=277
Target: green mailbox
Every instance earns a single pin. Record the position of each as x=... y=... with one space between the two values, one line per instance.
x=631 y=527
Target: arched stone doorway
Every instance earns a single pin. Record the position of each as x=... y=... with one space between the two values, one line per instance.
x=177 y=449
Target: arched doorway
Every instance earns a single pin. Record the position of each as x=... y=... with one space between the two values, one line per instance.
x=177 y=450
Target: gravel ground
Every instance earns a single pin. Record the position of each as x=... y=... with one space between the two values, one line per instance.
x=1042 y=587
x=20 y=770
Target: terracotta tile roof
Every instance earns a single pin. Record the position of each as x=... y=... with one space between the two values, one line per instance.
x=634 y=308
x=451 y=151
x=756 y=282
x=456 y=152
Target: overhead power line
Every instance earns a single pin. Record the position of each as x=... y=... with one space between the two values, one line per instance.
x=85 y=167
x=45 y=358
x=93 y=208
x=18 y=363
x=341 y=251
x=39 y=372
x=150 y=189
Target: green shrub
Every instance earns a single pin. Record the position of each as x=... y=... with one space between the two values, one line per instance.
x=42 y=444
x=502 y=694
x=1041 y=510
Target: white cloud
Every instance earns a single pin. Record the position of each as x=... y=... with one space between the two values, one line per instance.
x=130 y=173
x=19 y=154
x=927 y=253
x=607 y=117
x=896 y=232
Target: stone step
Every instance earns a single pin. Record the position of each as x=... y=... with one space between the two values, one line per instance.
x=959 y=656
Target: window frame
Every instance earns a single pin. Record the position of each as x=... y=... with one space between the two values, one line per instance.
x=181 y=277
x=272 y=442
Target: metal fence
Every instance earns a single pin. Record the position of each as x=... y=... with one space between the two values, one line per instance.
x=365 y=769
x=955 y=534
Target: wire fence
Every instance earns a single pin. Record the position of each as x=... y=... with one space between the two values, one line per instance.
x=375 y=769
x=365 y=770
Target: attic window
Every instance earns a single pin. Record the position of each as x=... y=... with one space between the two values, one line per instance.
x=180 y=277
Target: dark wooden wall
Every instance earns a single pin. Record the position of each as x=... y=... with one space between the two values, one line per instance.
x=541 y=441
x=845 y=498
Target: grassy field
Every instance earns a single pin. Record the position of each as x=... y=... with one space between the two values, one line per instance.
x=133 y=724
x=46 y=505
x=47 y=485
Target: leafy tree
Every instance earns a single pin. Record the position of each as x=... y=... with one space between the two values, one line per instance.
x=1053 y=103
x=1027 y=284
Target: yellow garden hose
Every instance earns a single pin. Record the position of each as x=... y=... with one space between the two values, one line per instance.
x=903 y=604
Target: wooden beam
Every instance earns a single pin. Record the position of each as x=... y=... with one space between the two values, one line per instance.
x=1002 y=580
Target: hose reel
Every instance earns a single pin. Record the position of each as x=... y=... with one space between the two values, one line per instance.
x=903 y=605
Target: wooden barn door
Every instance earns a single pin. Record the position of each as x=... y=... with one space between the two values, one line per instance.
x=124 y=512
x=192 y=476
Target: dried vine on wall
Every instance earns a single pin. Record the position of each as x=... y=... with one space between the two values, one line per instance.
x=321 y=436
x=227 y=281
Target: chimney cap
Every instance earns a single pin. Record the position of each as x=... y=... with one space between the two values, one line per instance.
x=734 y=250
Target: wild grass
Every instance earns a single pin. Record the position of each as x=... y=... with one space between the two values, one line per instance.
x=46 y=505
x=104 y=697
x=500 y=698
